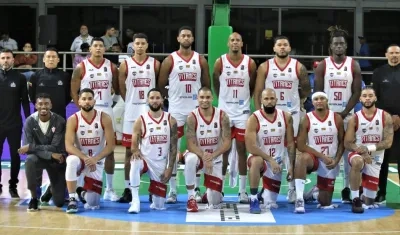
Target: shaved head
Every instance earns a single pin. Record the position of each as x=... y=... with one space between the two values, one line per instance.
x=268 y=92
x=268 y=100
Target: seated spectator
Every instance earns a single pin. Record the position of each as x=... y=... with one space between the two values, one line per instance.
x=8 y=43
x=25 y=62
x=80 y=57
x=44 y=143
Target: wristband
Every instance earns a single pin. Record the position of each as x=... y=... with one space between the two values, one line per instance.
x=371 y=148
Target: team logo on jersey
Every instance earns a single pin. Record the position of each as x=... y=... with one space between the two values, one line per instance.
x=82 y=132
x=193 y=61
x=96 y=125
x=272 y=130
x=323 y=129
x=331 y=74
x=99 y=74
x=141 y=71
x=242 y=67
x=228 y=73
x=316 y=130
x=188 y=66
x=60 y=83
x=180 y=67
x=105 y=69
x=329 y=123
x=345 y=68
x=201 y=132
x=364 y=130
x=215 y=125
x=148 y=66
x=275 y=75
x=165 y=122
x=370 y=128
x=290 y=70
x=265 y=132
x=235 y=72
x=339 y=73
x=134 y=73
x=91 y=75
x=158 y=128
x=282 y=74
x=89 y=131
x=279 y=124
x=151 y=129
x=377 y=122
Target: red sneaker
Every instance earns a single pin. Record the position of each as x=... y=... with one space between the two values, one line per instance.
x=191 y=205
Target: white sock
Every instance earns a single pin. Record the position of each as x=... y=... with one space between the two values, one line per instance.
x=253 y=197
x=355 y=193
x=242 y=183
x=127 y=184
x=190 y=193
x=223 y=182
x=197 y=183
x=135 y=192
x=299 y=188
x=172 y=184
x=73 y=195
x=291 y=184
x=109 y=181
x=269 y=196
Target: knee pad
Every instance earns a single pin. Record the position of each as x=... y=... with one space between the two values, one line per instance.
x=159 y=202
x=71 y=172
x=214 y=197
x=92 y=199
x=158 y=189
x=137 y=168
x=369 y=193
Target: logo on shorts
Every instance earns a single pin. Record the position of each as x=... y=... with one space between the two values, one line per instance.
x=329 y=123
x=215 y=125
x=96 y=125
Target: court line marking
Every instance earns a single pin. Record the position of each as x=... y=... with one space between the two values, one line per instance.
x=191 y=232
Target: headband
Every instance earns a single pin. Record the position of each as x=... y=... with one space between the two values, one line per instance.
x=317 y=94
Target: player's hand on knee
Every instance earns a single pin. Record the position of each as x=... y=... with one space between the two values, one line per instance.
x=362 y=149
x=290 y=174
x=166 y=175
x=90 y=161
x=207 y=157
x=136 y=155
x=275 y=167
x=367 y=158
x=208 y=166
x=332 y=164
x=327 y=160
x=92 y=168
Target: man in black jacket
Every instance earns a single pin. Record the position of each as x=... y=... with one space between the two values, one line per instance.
x=52 y=81
x=386 y=83
x=14 y=93
x=44 y=142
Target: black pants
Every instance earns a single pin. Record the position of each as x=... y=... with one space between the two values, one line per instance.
x=13 y=136
x=392 y=154
x=56 y=172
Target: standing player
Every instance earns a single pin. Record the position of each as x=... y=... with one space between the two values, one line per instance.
x=89 y=138
x=100 y=75
x=369 y=133
x=154 y=150
x=266 y=131
x=339 y=76
x=208 y=137
x=186 y=72
x=136 y=77
x=234 y=79
x=286 y=76
x=320 y=141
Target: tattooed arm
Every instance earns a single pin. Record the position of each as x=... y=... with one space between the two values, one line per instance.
x=191 y=136
x=225 y=135
x=387 y=133
x=340 y=150
x=76 y=83
x=173 y=143
x=291 y=146
x=304 y=81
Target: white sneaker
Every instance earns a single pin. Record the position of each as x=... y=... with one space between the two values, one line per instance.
x=197 y=196
x=271 y=205
x=311 y=195
x=291 y=196
x=110 y=195
x=88 y=207
x=135 y=206
x=172 y=198
x=299 y=207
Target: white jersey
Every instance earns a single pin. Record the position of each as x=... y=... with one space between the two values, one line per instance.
x=370 y=132
x=323 y=134
x=90 y=138
x=155 y=136
x=285 y=82
x=184 y=83
x=234 y=93
x=338 y=80
x=208 y=133
x=140 y=79
x=99 y=79
x=271 y=134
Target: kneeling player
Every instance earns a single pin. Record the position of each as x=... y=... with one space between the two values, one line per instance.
x=265 y=134
x=94 y=133
x=154 y=150
x=320 y=140
x=208 y=136
x=369 y=133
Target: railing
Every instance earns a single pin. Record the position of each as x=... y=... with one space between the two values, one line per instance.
x=65 y=56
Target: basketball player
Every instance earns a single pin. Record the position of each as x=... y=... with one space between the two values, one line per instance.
x=369 y=133
x=320 y=142
x=208 y=137
x=100 y=75
x=89 y=138
x=137 y=75
x=289 y=78
x=234 y=80
x=339 y=76
x=154 y=150
x=186 y=72
x=266 y=131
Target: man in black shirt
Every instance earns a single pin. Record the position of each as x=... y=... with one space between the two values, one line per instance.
x=13 y=90
x=52 y=81
x=386 y=83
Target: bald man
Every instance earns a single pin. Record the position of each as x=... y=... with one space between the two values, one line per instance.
x=234 y=79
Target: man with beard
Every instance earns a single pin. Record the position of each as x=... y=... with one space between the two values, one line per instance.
x=386 y=83
x=320 y=142
x=186 y=72
x=136 y=77
x=234 y=79
x=100 y=75
x=289 y=78
x=369 y=133
x=267 y=129
x=339 y=76
x=208 y=137
x=44 y=144
x=154 y=150
x=89 y=138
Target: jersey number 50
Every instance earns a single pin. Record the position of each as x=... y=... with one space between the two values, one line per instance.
x=337 y=95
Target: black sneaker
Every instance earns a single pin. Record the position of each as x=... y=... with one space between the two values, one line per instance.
x=72 y=206
x=259 y=196
x=14 y=193
x=150 y=198
x=47 y=195
x=380 y=198
x=81 y=194
x=126 y=196
x=356 y=206
x=33 y=205
x=346 y=195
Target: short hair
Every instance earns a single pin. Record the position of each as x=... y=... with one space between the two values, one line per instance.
x=185 y=28
x=43 y=96
x=368 y=87
x=337 y=31
x=52 y=49
x=155 y=90
x=392 y=45
x=85 y=46
x=204 y=88
x=280 y=37
x=140 y=35
x=86 y=90
x=108 y=27
x=116 y=45
x=5 y=50
x=97 y=39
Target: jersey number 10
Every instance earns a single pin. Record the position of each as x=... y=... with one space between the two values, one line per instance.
x=188 y=88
